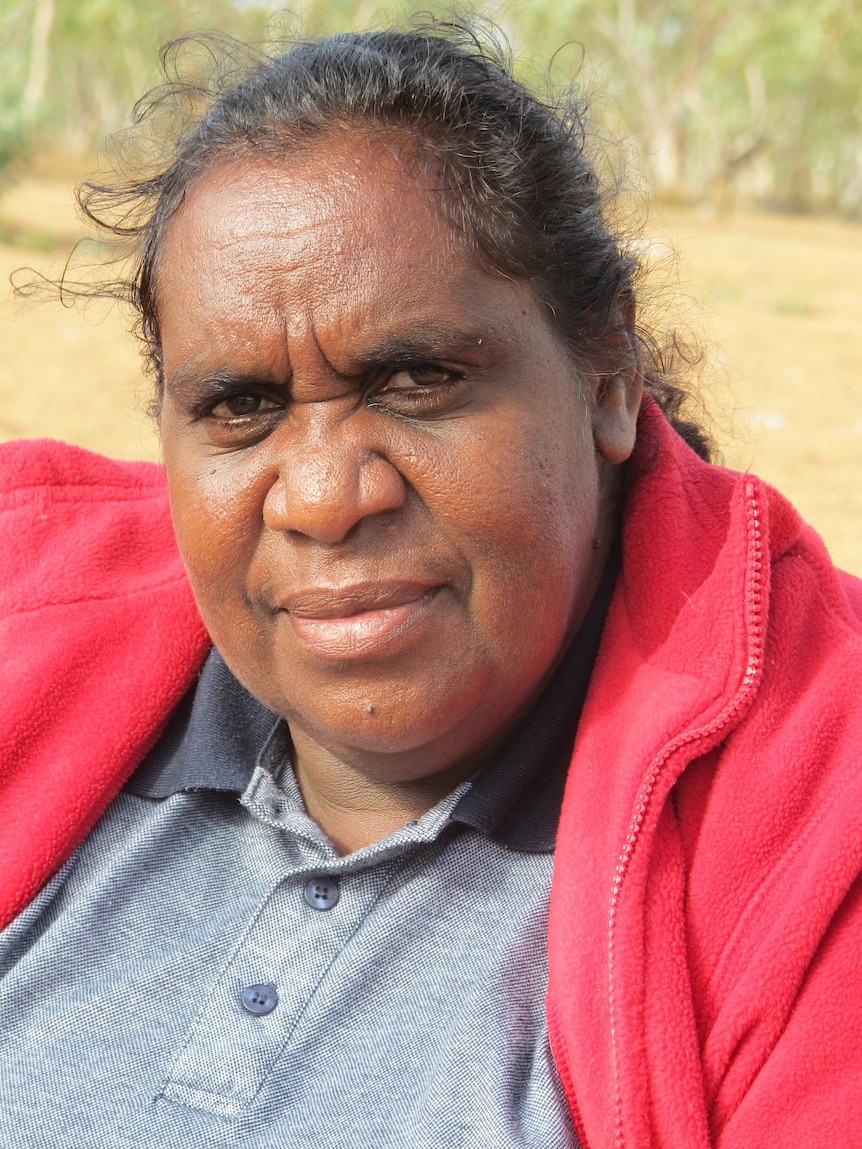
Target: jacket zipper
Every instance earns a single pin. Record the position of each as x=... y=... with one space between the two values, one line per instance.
x=754 y=625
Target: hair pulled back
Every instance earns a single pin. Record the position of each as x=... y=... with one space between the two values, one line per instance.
x=513 y=173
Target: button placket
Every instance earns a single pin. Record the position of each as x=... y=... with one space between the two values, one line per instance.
x=244 y=1026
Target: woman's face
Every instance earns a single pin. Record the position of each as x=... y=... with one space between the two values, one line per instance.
x=384 y=469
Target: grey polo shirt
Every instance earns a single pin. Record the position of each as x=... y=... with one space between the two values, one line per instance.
x=206 y=971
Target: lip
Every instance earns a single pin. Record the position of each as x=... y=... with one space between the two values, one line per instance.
x=358 y=621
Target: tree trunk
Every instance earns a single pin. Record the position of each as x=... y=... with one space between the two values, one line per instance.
x=37 y=76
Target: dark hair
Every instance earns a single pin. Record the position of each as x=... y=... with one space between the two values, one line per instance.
x=513 y=172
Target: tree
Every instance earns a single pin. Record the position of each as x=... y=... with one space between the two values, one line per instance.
x=718 y=98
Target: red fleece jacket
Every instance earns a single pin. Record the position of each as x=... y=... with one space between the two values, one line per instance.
x=705 y=940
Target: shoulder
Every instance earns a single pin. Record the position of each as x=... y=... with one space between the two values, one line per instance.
x=98 y=631
x=29 y=466
x=772 y=828
x=715 y=803
x=75 y=524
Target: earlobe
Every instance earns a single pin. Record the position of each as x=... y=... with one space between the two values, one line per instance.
x=615 y=414
x=618 y=394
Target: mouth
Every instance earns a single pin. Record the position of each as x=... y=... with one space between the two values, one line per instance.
x=357 y=621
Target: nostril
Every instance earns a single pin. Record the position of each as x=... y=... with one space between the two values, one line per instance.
x=325 y=493
x=382 y=485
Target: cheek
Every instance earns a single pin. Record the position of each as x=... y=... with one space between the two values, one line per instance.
x=526 y=509
x=536 y=488
x=217 y=515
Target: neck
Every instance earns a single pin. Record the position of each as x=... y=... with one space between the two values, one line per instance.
x=354 y=808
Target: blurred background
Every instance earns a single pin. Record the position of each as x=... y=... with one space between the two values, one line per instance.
x=739 y=125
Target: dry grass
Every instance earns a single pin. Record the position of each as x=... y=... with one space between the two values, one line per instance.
x=777 y=299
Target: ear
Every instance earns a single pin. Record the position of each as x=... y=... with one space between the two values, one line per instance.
x=615 y=414
x=617 y=394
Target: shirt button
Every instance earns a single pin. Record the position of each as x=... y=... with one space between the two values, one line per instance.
x=322 y=893
x=259 y=999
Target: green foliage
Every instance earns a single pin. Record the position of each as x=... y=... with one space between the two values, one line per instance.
x=760 y=100
x=13 y=54
x=722 y=99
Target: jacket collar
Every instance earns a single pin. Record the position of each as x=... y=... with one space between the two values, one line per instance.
x=678 y=668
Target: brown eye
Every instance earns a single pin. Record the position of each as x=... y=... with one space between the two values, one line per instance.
x=423 y=375
x=423 y=390
x=428 y=375
x=238 y=405
x=241 y=418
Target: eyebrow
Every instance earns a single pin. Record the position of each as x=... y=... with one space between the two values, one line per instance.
x=426 y=340
x=419 y=341
x=192 y=377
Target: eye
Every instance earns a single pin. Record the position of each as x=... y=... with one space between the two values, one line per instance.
x=233 y=418
x=422 y=375
x=241 y=404
x=420 y=389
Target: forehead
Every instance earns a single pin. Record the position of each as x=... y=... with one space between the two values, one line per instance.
x=336 y=247
x=346 y=205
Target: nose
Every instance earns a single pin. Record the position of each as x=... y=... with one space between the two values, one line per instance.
x=328 y=481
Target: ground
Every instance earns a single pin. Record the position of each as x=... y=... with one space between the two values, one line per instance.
x=774 y=300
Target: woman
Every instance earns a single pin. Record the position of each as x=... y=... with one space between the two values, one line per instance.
x=452 y=559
